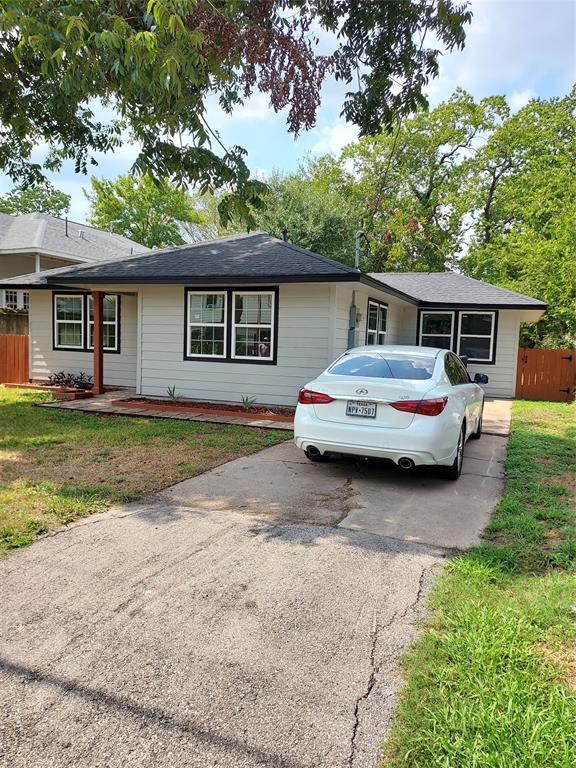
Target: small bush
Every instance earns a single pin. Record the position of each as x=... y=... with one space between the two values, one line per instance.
x=71 y=380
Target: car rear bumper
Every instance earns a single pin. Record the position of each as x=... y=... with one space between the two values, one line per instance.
x=429 y=440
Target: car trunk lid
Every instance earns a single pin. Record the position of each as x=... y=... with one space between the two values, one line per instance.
x=381 y=392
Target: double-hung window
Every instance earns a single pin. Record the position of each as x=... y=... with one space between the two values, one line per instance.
x=69 y=321
x=109 y=323
x=74 y=322
x=466 y=332
x=376 y=322
x=206 y=324
x=253 y=314
x=231 y=325
x=11 y=299
x=476 y=336
x=437 y=329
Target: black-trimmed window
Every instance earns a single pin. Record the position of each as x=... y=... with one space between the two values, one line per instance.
x=437 y=329
x=109 y=323
x=231 y=325
x=206 y=324
x=74 y=322
x=470 y=333
x=476 y=331
x=252 y=325
x=376 y=322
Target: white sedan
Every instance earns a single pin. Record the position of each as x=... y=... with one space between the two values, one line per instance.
x=412 y=405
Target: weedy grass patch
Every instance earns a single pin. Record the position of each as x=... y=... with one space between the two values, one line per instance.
x=57 y=466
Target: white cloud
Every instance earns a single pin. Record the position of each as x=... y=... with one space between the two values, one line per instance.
x=512 y=46
x=335 y=137
x=519 y=99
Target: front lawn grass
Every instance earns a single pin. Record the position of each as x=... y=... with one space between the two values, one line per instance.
x=56 y=466
x=492 y=681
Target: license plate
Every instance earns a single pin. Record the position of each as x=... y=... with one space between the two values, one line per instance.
x=361 y=408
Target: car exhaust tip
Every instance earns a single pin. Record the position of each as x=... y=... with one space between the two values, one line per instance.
x=312 y=450
x=406 y=463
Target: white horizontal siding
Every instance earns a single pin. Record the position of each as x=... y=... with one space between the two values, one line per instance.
x=119 y=369
x=400 y=320
x=304 y=349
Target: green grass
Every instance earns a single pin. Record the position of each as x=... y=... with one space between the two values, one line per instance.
x=57 y=466
x=492 y=681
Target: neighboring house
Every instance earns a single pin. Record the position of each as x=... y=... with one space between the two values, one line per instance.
x=38 y=241
x=253 y=315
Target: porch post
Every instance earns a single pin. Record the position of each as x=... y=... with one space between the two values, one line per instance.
x=98 y=368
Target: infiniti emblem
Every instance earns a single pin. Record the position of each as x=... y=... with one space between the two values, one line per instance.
x=361 y=391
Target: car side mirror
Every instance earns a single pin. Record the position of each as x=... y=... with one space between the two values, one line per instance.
x=480 y=378
x=464 y=359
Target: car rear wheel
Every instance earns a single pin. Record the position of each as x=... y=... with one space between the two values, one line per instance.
x=478 y=433
x=454 y=471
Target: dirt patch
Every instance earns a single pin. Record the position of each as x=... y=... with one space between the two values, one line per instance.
x=567 y=480
x=564 y=658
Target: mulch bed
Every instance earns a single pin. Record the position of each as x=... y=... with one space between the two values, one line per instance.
x=217 y=409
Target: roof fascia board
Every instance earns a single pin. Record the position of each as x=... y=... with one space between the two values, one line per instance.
x=32 y=251
x=476 y=305
x=207 y=280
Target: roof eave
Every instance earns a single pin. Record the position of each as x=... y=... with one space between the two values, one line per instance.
x=479 y=305
x=206 y=279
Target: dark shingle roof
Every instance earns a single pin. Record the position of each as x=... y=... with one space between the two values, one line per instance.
x=256 y=257
x=454 y=290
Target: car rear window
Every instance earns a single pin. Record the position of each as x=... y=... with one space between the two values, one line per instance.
x=384 y=366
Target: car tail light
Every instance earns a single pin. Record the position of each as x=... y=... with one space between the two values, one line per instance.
x=309 y=397
x=425 y=407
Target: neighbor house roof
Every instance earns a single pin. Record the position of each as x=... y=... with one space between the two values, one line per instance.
x=52 y=236
x=450 y=289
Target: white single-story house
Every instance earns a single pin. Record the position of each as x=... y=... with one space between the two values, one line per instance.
x=255 y=316
x=34 y=242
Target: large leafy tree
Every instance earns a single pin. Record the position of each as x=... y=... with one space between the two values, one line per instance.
x=299 y=208
x=41 y=199
x=155 y=63
x=153 y=214
x=408 y=188
x=524 y=189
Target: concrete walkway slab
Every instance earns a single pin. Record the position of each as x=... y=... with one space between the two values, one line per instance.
x=497 y=416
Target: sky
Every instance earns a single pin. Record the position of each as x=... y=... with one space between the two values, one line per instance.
x=518 y=48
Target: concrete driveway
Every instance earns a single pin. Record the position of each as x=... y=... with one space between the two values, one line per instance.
x=372 y=496
x=203 y=628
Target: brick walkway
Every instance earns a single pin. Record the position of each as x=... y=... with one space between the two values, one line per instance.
x=103 y=404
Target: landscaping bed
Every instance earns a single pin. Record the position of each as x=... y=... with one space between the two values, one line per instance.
x=215 y=409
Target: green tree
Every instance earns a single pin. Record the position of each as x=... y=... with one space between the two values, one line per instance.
x=524 y=189
x=42 y=199
x=311 y=216
x=155 y=63
x=408 y=187
x=150 y=213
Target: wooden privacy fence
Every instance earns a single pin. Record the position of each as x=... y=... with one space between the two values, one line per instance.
x=13 y=358
x=546 y=374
